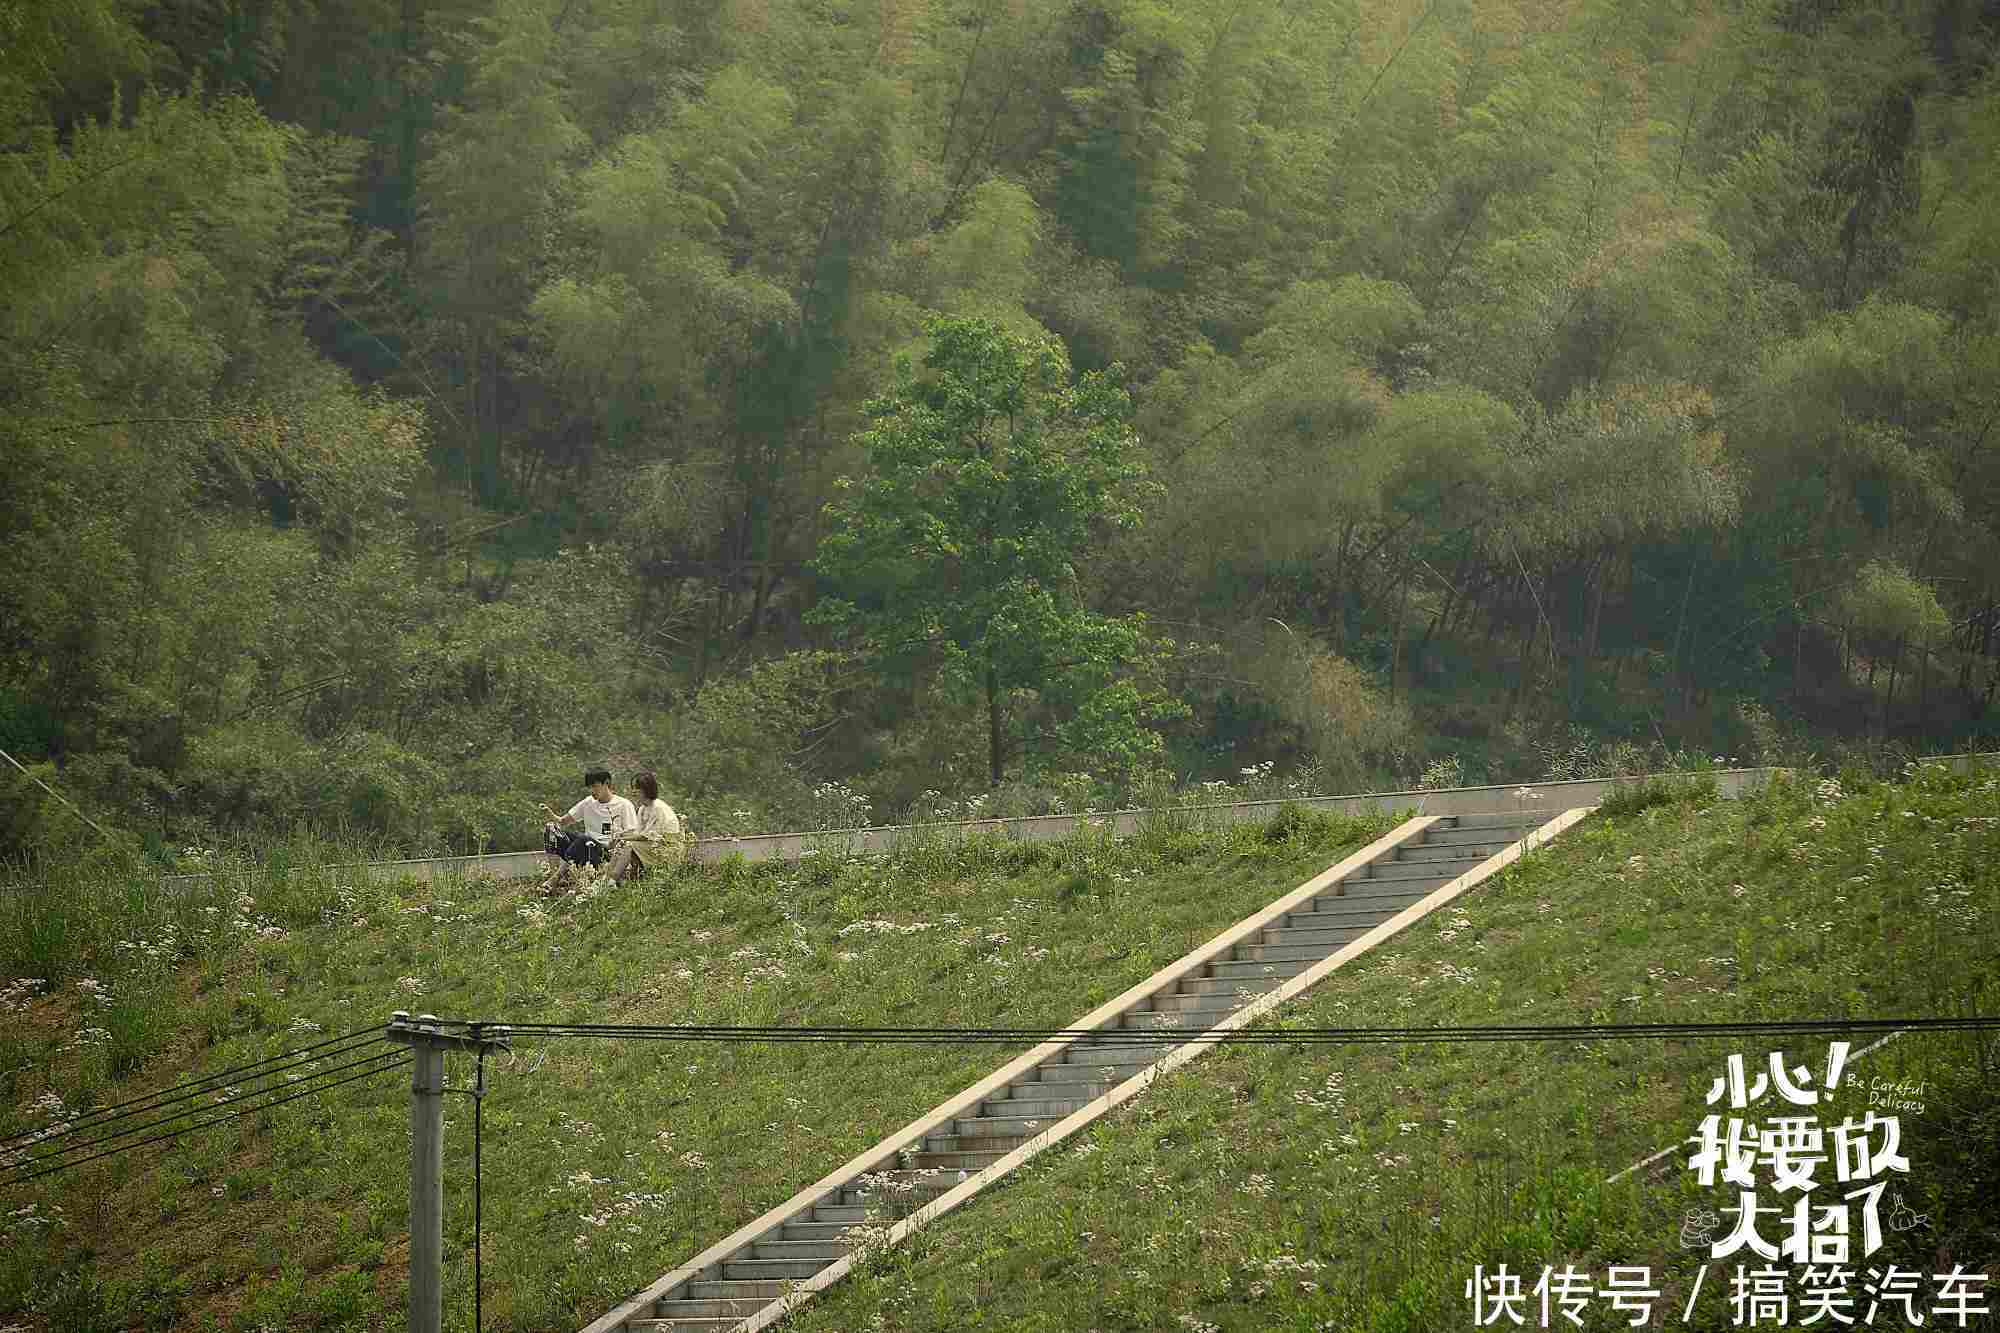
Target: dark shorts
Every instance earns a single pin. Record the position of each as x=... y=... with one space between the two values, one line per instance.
x=576 y=848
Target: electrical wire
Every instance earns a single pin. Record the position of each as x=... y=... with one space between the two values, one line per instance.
x=67 y=1131
x=382 y=1064
x=478 y=1107
x=248 y=1101
x=478 y=1094
x=106 y=1115
x=1247 y=1036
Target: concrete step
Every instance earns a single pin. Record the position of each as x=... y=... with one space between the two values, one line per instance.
x=1150 y=1021
x=969 y=1162
x=1455 y=859
x=998 y=1144
x=1226 y=985
x=1362 y=894
x=1192 y=1021
x=1231 y=969
x=1022 y=1125
x=1285 y=953
x=1066 y=1083
x=1214 y=1006
x=1047 y=1110
x=824 y=1251
x=1464 y=837
x=1449 y=851
x=820 y=1231
x=1208 y=1001
x=1365 y=916
x=739 y=1307
x=1325 y=938
x=1095 y=1056
x=772 y=1270
x=921 y=1192
x=683 y=1323
x=1502 y=819
x=1400 y=873
x=844 y=1214
x=710 y=1289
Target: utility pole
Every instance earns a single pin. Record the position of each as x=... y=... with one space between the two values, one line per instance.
x=427 y=1045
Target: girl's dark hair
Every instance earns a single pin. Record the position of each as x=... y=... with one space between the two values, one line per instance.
x=647 y=783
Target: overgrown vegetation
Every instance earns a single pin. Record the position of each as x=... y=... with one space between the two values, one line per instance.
x=604 y=1164
x=407 y=404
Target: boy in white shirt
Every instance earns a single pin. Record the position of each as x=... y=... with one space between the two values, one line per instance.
x=599 y=817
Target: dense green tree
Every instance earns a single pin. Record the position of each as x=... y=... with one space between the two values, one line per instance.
x=989 y=473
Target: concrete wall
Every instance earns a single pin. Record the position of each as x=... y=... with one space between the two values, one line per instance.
x=1550 y=797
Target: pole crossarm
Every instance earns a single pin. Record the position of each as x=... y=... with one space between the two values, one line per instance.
x=429 y=1030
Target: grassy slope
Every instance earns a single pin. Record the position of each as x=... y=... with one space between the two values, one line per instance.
x=1355 y=1188
x=604 y=1164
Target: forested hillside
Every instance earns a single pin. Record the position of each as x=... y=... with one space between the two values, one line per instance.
x=407 y=401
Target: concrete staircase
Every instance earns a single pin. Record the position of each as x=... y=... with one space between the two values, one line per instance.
x=750 y=1283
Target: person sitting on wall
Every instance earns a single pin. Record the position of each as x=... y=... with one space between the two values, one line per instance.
x=657 y=840
x=599 y=818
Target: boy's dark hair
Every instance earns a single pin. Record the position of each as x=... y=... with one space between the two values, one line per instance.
x=648 y=784
x=592 y=776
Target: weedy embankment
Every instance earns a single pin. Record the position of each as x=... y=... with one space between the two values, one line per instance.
x=604 y=1163
x=1356 y=1188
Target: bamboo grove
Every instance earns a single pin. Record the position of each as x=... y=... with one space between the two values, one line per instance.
x=407 y=399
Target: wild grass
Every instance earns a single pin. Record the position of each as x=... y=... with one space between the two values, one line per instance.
x=604 y=1163
x=1356 y=1188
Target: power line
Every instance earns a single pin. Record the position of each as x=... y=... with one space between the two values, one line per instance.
x=1279 y=1036
x=380 y=1063
x=256 y=1069
x=66 y=1133
x=53 y=792
x=383 y=1064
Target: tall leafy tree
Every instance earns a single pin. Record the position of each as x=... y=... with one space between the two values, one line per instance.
x=991 y=473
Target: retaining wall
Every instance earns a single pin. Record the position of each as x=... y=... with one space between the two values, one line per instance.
x=1553 y=796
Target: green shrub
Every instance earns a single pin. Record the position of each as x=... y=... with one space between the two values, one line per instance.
x=1291 y=820
x=73 y=1300
x=1630 y=798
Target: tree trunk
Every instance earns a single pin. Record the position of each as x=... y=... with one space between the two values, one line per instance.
x=1339 y=607
x=495 y=416
x=1603 y=574
x=1680 y=629
x=759 y=599
x=1396 y=648
x=1799 y=662
x=1442 y=618
x=1895 y=670
x=992 y=722
x=406 y=140
x=1520 y=693
x=1924 y=683
x=964 y=82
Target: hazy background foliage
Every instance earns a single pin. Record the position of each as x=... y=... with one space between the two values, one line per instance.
x=408 y=403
